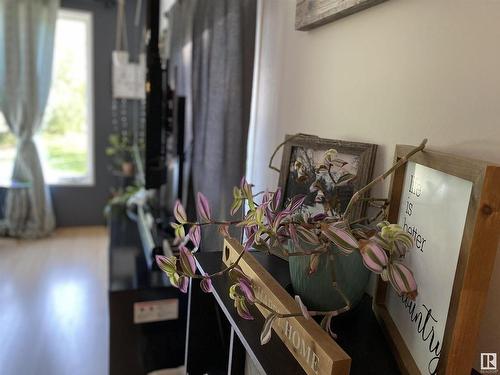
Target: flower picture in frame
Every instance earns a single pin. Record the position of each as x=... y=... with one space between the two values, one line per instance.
x=327 y=171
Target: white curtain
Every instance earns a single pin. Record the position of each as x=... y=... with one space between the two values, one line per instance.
x=27 y=30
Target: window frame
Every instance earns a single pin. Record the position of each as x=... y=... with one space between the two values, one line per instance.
x=89 y=179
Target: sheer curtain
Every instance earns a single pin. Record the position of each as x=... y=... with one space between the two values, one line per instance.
x=26 y=53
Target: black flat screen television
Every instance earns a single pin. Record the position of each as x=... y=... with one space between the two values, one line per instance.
x=156 y=129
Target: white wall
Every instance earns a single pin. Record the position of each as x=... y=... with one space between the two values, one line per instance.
x=395 y=73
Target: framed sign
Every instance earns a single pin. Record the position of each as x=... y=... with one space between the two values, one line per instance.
x=451 y=207
x=313 y=13
x=331 y=187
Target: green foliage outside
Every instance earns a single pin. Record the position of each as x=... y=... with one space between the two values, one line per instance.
x=64 y=132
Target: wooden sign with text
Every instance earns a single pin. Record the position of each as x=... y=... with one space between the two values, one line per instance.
x=451 y=207
x=314 y=349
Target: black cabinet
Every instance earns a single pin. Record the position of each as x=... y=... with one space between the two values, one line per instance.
x=139 y=348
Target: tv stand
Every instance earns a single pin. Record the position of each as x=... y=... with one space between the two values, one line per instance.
x=147 y=315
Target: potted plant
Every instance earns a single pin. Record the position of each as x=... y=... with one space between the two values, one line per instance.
x=120 y=151
x=119 y=199
x=326 y=244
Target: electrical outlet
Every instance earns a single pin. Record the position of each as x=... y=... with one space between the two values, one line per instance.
x=156 y=311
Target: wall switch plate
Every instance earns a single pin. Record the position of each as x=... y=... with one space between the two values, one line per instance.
x=156 y=311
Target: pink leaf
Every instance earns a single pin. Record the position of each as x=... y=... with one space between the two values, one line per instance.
x=195 y=236
x=402 y=279
x=344 y=240
x=183 y=284
x=246 y=290
x=179 y=212
x=242 y=310
x=206 y=284
x=166 y=264
x=295 y=203
x=293 y=234
x=249 y=242
x=277 y=198
x=374 y=257
x=203 y=207
x=188 y=263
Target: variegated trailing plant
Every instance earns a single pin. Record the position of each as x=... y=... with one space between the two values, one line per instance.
x=268 y=226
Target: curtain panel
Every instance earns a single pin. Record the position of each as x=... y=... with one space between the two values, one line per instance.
x=26 y=54
x=222 y=70
x=212 y=46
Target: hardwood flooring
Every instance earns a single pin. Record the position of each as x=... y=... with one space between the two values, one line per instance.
x=53 y=304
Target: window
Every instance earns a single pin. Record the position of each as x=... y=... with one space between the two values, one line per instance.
x=65 y=142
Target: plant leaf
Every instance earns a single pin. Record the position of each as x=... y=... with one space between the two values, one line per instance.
x=313 y=263
x=303 y=308
x=402 y=279
x=235 y=206
x=307 y=235
x=179 y=212
x=206 y=284
x=293 y=234
x=167 y=264
x=183 y=284
x=295 y=203
x=326 y=324
x=242 y=309
x=194 y=235
x=203 y=207
x=267 y=328
x=246 y=290
x=249 y=242
x=179 y=231
x=374 y=256
x=344 y=240
x=277 y=198
x=188 y=264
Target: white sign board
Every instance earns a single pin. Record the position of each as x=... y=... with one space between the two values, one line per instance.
x=129 y=79
x=433 y=209
x=156 y=311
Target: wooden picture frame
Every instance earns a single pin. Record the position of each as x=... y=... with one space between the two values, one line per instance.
x=364 y=153
x=476 y=254
x=314 y=13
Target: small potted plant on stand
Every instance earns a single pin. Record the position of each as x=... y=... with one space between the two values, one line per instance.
x=329 y=250
x=120 y=151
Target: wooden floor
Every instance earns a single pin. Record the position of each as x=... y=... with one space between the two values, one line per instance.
x=53 y=304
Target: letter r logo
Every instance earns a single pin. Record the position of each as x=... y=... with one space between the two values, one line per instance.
x=488 y=361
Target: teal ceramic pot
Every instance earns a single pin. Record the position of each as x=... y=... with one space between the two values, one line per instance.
x=317 y=291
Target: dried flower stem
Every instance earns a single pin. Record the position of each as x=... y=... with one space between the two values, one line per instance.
x=337 y=288
x=291 y=315
x=278 y=148
x=358 y=195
